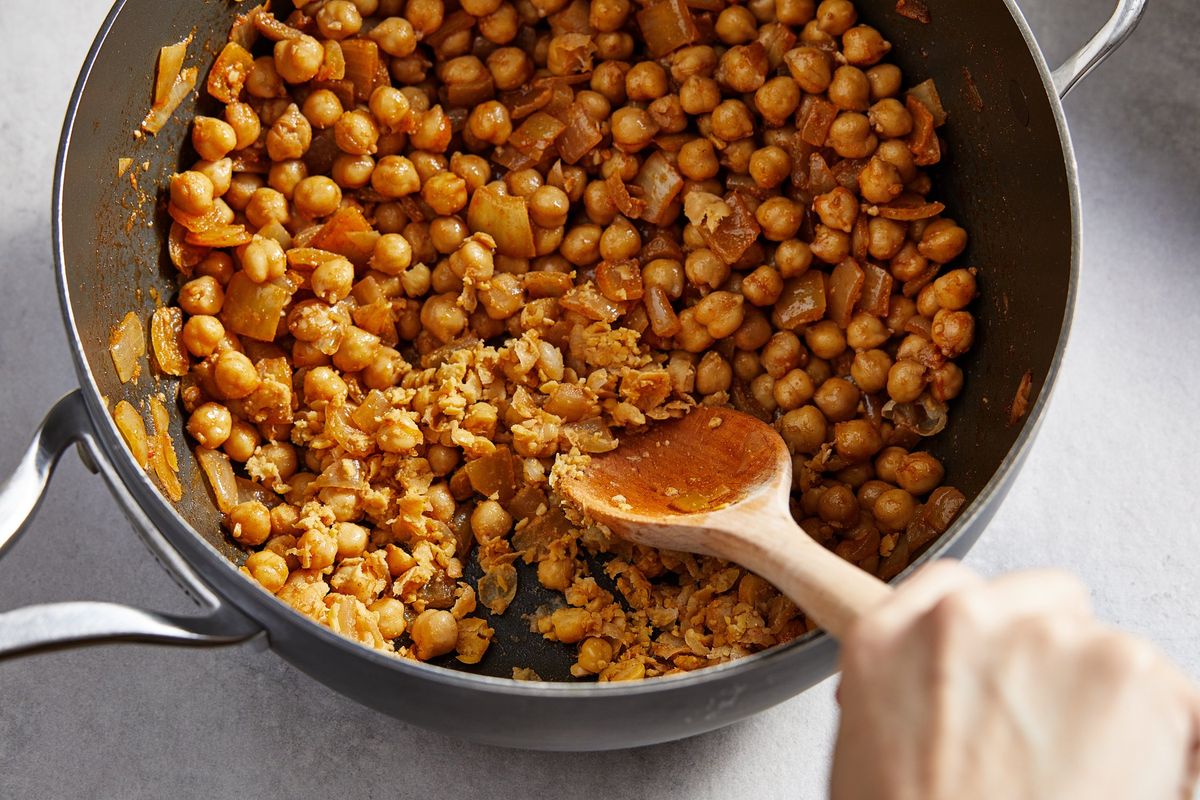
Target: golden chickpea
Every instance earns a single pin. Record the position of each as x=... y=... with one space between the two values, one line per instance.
x=942 y=241
x=810 y=68
x=770 y=166
x=333 y=279
x=838 y=399
x=646 y=81
x=594 y=655
x=235 y=375
x=793 y=389
x=245 y=123
x=202 y=295
x=357 y=350
x=736 y=25
x=338 y=19
x=863 y=46
x=632 y=128
x=317 y=196
x=263 y=81
x=490 y=520
x=263 y=260
x=242 y=441
x=192 y=192
x=825 y=339
x=298 y=60
x=392 y=255
x=795 y=12
x=870 y=370
x=835 y=17
x=290 y=136
x=894 y=509
x=201 y=335
x=355 y=132
x=267 y=205
x=850 y=90
x=390 y=613
x=395 y=176
x=955 y=290
x=803 y=429
x=442 y=317
x=698 y=160
x=395 y=36
x=857 y=440
x=851 y=137
x=885 y=237
x=250 y=523
x=213 y=138
x=731 y=120
x=268 y=568
x=953 y=332
x=866 y=331
x=920 y=473
x=780 y=218
x=434 y=633
x=885 y=80
x=793 y=258
x=210 y=425
x=906 y=381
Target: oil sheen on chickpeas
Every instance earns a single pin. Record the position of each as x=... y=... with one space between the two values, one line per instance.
x=425 y=250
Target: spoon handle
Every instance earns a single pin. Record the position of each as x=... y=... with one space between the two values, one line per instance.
x=832 y=592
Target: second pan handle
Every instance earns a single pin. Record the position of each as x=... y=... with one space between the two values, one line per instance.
x=1114 y=33
x=57 y=624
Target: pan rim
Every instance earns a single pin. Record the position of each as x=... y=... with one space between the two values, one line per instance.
x=223 y=578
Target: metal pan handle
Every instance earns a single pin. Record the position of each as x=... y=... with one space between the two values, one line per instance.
x=1114 y=33
x=56 y=624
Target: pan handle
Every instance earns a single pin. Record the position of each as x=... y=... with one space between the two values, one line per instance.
x=56 y=624
x=1114 y=33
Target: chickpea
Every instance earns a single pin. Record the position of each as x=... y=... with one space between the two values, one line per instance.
x=338 y=19
x=298 y=60
x=793 y=258
x=646 y=81
x=242 y=441
x=245 y=123
x=920 y=473
x=192 y=192
x=803 y=429
x=946 y=382
x=489 y=122
x=594 y=655
x=202 y=295
x=885 y=80
x=838 y=399
x=851 y=137
x=849 y=89
x=213 y=138
x=783 y=353
x=442 y=317
x=835 y=17
x=490 y=520
x=263 y=81
x=810 y=68
x=355 y=132
x=390 y=613
x=434 y=632
x=870 y=370
x=332 y=279
x=731 y=120
x=942 y=241
x=906 y=381
x=268 y=568
x=862 y=45
x=235 y=375
x=837 y=209
x=780 y=218
x=201 y=335
x=632 y=128
x=763 y=286
x=250 y=522
x=395 y=176
x=894 y=509
x=793 y=390
x=955 y=290
x=857 y=440
x=290 y=136
x=395 y=36
x=210 y=425
x=885 y=237
x=953 y=332
x=825 y=339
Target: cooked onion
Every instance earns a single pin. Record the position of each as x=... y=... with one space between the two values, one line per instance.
x=126 y=346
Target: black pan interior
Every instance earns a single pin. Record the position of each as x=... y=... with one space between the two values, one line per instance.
x=1003 y=178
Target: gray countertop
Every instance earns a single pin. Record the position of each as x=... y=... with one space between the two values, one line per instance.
x=1108 y=491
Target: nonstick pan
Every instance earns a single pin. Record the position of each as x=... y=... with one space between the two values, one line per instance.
x=1010 y=176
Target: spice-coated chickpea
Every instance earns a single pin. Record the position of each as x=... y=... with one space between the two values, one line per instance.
x=906 y=381
x=870 y=370
x=434 y=632
x=202 y=295
x=235 y=375
x=268 y=568
x=838 y=399
x=920 y=473
x=192 y=192
x=849 y=89
x=210 y=425
x=250 y=522
x=298 y=60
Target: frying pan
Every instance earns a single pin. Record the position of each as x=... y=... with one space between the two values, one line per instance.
x=1010 y=177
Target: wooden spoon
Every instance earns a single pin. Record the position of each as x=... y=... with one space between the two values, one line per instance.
x=717 y=482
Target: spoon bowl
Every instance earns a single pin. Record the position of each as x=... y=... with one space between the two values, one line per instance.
x=717 y=482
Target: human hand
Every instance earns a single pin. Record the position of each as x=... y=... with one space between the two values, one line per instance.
x=964 y=688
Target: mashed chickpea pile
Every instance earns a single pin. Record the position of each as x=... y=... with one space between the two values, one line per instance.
x=427 y=247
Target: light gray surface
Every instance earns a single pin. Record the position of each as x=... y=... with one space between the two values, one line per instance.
x=1108 y=491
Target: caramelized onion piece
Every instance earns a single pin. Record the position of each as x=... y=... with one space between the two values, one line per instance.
x=253 y=309
x=162 y=451
x=666 y=26
x=219 y=472
x=845 y=289
x=133 y=431
x=166 y=337
x=127 y=345
x=802 y=301
x=505 y=218
x=229 y=72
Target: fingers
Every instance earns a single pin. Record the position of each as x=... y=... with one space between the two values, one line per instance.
x=916 y=596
